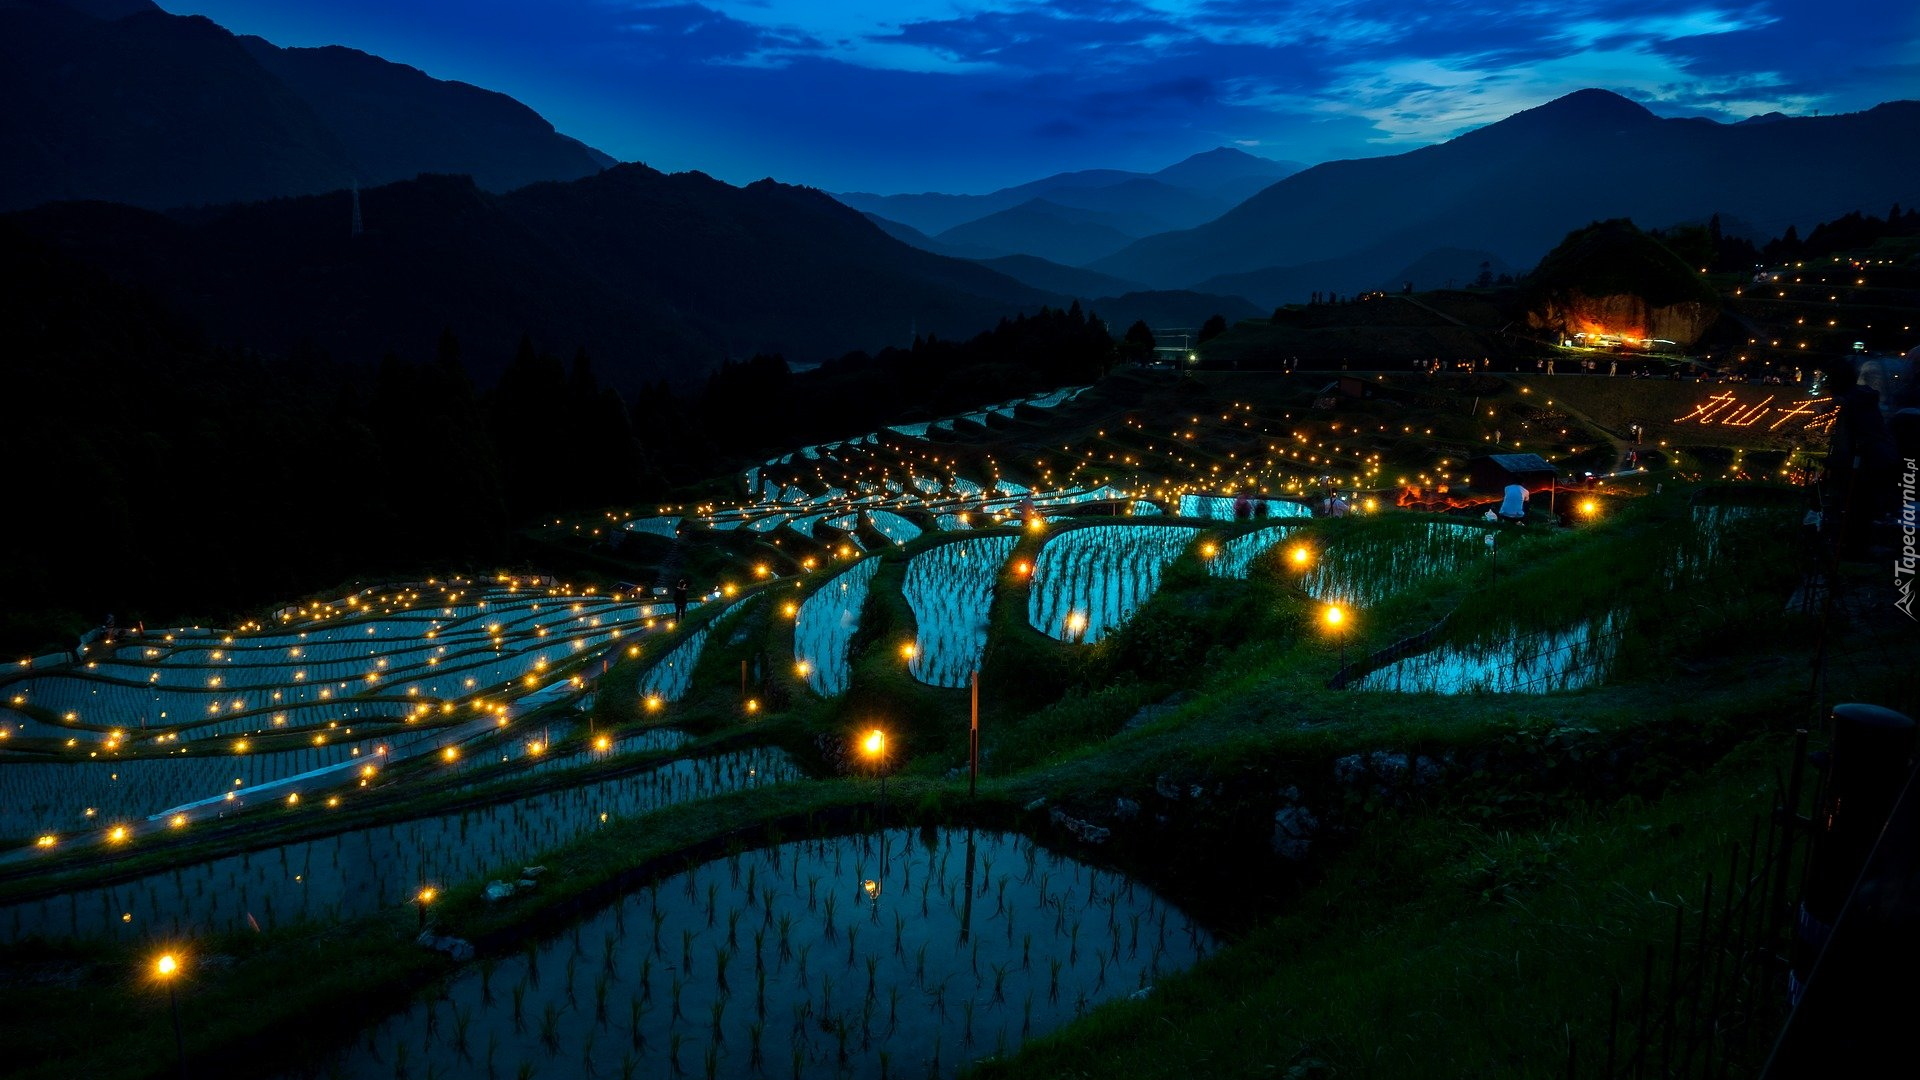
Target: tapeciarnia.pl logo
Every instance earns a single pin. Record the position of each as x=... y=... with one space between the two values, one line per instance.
x=1904 y=563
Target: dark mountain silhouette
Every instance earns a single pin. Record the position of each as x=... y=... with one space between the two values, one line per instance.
x=1061 y=234
x=118 y=100
x=398 y=122
x=1383 y=267
x=1446 y=268
x=1183 y=194
x=1055 y=278
x=655 y=275
x=1228 y=174
x=913 y=237
x=1140 y=206
x=1516 y=187
x=1165 y=309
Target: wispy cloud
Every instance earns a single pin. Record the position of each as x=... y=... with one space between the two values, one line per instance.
x=972 y=93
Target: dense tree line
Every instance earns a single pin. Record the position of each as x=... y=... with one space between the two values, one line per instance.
x=157 y=476
x=762 y=404
x=1711 y=246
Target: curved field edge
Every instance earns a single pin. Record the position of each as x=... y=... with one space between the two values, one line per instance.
x=1263 y=725
x=244 y=1005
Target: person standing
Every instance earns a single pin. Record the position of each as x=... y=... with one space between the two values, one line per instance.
x=680 y=600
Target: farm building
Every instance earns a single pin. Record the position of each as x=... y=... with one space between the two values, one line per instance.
x=1495 y=471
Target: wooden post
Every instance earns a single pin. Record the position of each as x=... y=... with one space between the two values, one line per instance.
x=973 y=738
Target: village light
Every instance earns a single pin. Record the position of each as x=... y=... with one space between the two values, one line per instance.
x=165 y=968
x=1336 y=619
x=873 y=745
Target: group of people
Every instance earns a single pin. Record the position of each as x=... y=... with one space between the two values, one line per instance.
x=1434 y=365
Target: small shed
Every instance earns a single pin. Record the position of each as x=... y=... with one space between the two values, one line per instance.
x=1495 y=471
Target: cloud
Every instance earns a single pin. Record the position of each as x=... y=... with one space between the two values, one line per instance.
x=1415 y=102
x=971 y=94
x=1309 y=54
x=697 y=33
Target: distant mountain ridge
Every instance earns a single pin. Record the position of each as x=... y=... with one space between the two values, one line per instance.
x=656 y=275
x=119 y=100
x=1515 y=188
x=1062 y=234
x=1183 y=194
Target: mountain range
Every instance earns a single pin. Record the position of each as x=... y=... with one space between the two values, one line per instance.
x=120 y=101
x=213 y=171
x=1509 y=191
x=1076 y=217
x=656 y=275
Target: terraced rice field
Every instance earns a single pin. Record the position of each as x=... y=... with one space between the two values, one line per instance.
x=825 y=625
x=1365 y=570
x=1572 y=658
x=1236 y=556
x=1088 y=581
x=896 y=954
x=950 y=589
x=355 y=873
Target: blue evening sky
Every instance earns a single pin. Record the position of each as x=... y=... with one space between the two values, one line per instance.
x=956 y=95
